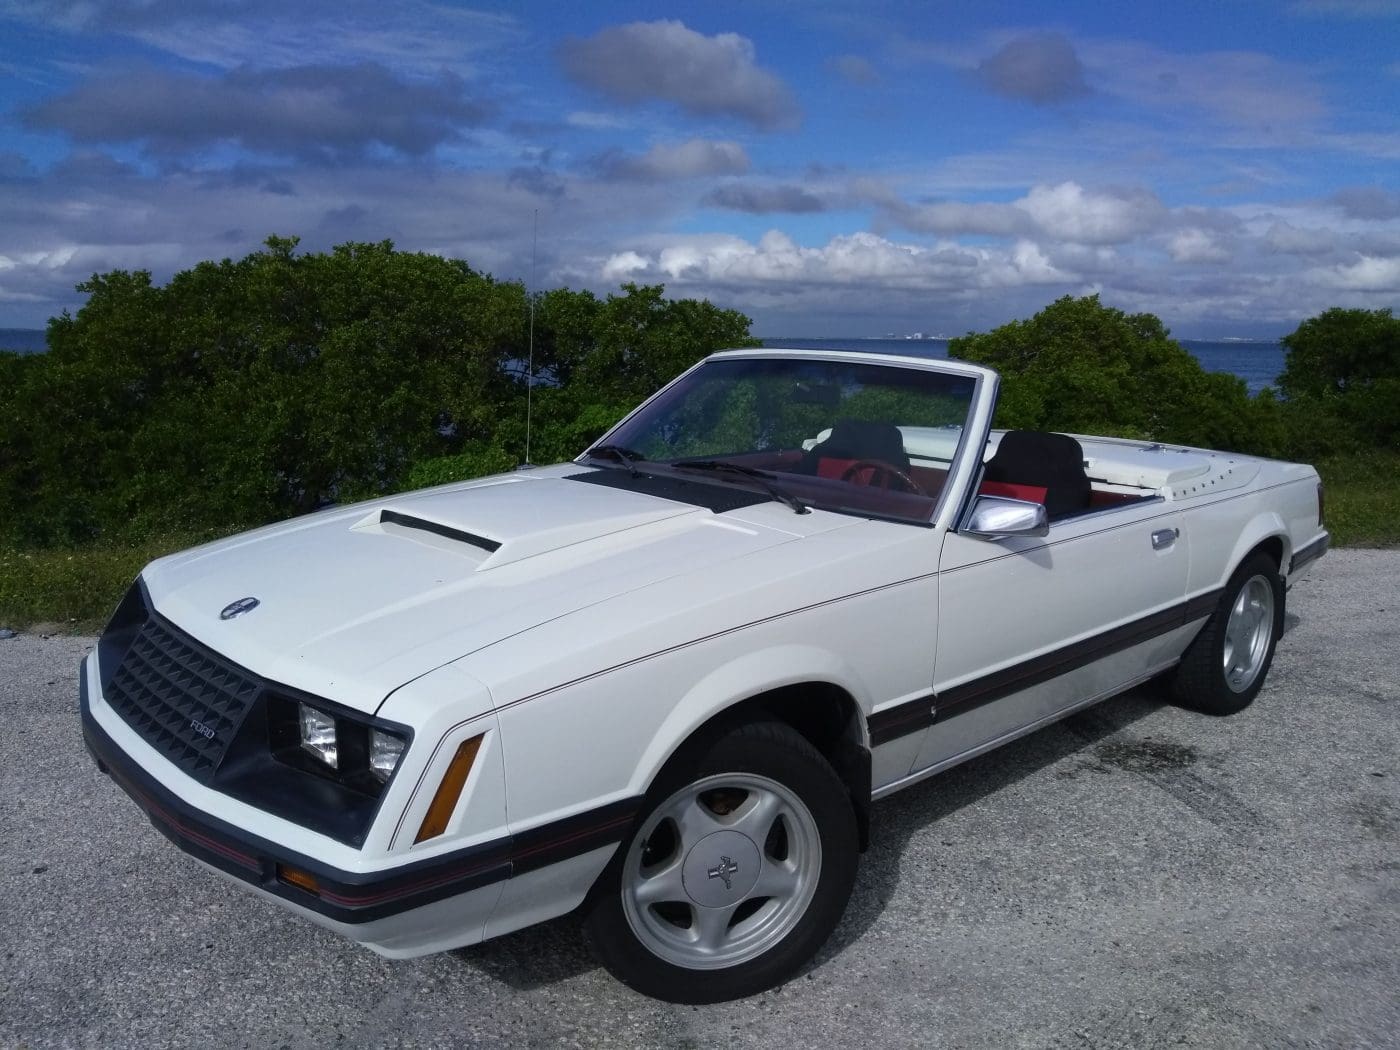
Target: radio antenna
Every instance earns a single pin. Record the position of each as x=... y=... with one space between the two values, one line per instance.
x=530 y=367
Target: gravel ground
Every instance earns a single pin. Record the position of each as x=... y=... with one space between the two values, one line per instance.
x=1136 y=876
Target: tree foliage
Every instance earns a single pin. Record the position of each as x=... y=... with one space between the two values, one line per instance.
x=1343 y=376
x=247 y=390
x=1084 y=367
x=252 y=389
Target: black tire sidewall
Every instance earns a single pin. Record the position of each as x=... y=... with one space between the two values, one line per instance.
x=771 y=750
x=1201 y=680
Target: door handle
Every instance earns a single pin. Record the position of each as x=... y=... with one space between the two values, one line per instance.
x=1164 y=538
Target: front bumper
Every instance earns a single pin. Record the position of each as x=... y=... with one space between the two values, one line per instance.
x=422 y=906
x=347 y=897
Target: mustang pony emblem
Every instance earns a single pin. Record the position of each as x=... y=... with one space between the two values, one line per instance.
x=724 y=870
x=238 y=608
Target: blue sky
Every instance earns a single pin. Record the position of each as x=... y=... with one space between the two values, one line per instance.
x=828 y=169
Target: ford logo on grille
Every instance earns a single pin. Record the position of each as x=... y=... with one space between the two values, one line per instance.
x=238 y=608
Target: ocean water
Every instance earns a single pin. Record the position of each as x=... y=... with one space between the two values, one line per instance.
x=25 y=340
x=1257 y=363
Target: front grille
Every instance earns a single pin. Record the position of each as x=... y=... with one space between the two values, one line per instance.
x=186 y=701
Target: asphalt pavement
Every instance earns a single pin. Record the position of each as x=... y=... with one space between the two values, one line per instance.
x=1137 y=876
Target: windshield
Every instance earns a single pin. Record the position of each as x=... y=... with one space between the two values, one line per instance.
x=869 y=439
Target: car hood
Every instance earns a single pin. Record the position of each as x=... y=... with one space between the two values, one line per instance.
x=354 y=602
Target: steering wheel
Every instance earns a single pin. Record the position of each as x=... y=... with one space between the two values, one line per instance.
x=882 y=473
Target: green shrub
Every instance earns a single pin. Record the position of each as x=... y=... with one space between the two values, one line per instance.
x=247 y=391
x=1084 y=367
x=1363 y=498
x=1344 y=366
x=474 y=462
x=76 y=588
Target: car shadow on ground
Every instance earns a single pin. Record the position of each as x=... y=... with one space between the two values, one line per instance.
x=556 y=951
x=534 y=957
x=894 y=821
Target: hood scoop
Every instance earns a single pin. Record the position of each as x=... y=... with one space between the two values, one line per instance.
x=503 y=522
x=437 y=528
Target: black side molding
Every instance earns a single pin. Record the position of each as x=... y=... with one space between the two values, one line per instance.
x=915 y=715
x=1306 y=555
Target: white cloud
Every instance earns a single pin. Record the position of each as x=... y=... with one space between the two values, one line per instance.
x=92 y=215
x=418 y=36
x=958 y=217
x=1067 y=212
x=1367 y=203
x=1194 y=245
x=623 y=265
x=1288 y=239
x=1036 y=67
x=683 y=160
x=1241 y=88
x=1030 y=262
x=1367 y=274
x=1245 y=88
x=763 y=198
x=858 y=260
x=84 y=218
x=1062 y=212
x=667 y=60
x=309 y=111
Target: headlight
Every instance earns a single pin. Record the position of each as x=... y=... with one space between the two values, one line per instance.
x=318 y=735
x=334 y=743
x=384 y=752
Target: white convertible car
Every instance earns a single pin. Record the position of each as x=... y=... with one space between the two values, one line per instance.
x=664 y=683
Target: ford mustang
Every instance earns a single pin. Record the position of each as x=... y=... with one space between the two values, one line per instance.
x=663 y=684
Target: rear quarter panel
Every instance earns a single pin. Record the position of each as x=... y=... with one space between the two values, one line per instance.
x=1281 y=505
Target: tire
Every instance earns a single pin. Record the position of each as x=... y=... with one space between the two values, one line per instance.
x=1224 y=668
x=739 y=869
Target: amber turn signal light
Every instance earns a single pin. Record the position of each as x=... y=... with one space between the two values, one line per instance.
x=298 y=878
x=450 y=790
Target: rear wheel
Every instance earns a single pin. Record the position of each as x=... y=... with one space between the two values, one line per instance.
x=1224 y=668
x=737 y=874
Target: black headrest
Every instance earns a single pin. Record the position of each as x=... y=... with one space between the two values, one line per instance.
x=1038 y=452
x=1052 y=461
x=863 y=439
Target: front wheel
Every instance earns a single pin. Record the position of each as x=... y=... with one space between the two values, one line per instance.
x=1224 y=668
x=737 y=873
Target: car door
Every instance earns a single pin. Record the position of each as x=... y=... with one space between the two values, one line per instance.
x=1029 y=628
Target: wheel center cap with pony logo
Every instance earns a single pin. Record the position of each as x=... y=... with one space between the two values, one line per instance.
x=721 y=868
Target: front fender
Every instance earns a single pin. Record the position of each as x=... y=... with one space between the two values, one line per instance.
x=738 y=680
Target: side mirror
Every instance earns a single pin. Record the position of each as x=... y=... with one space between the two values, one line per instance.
x=995 y=518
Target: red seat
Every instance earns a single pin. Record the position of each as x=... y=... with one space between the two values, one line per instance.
x=834 y=467
x=1010 y=490
x=1056 y=461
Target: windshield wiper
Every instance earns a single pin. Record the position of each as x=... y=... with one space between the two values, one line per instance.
x=626 y=456
x=764 y=478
